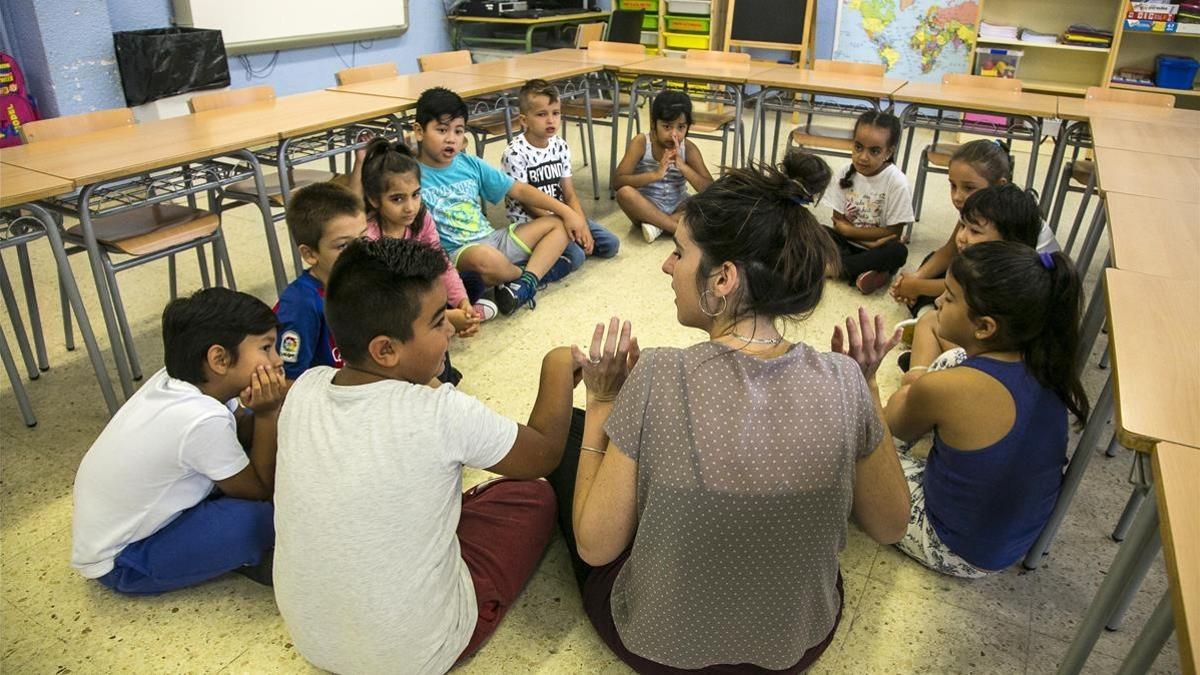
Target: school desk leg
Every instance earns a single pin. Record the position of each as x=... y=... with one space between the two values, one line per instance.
x=616 y=124
x=285 y=193
x=1036 y=124
x=106 y=308
x=739 y=151
x=14 y=376
x=1150 y=641
x=1056 y=158
x=759 y=98
x=633 y=106
x=1143 y=534
x=66 y=281
x=18 y=324
x=591 y=139
x=264 y=207
x=35 y=316
x=1074 y=475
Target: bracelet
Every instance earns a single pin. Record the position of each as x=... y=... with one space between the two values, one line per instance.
x=918 y=368
x=590 y=449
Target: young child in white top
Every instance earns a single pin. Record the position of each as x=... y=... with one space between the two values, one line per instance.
x=871 y=205
x=382 y=563
x=145 y=518
x=542 y=159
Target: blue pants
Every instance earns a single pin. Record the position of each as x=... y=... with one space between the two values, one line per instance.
x=211 y=538
x=606 y=245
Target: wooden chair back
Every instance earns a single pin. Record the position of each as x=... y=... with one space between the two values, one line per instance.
x=849 y=67
x=444 y=60
x=358 y=74
x=231 y=97
x=710 y=56
x=621 y=47
x=588 y=33
x=1135 y=97
x=73 y=125
x=1008 y=84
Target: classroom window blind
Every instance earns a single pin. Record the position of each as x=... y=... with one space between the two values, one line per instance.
x=266 y=25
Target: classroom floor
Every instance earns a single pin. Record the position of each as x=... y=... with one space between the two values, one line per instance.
x=898 y=617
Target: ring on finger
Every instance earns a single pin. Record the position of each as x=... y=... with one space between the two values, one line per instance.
x=594 y=360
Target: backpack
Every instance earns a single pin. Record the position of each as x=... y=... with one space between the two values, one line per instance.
x=16 y=104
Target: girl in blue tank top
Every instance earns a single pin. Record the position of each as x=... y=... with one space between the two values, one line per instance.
x=999 y=420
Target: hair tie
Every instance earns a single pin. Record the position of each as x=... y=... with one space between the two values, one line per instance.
x=1047 y=260
x=802 y=201
x=998 y=143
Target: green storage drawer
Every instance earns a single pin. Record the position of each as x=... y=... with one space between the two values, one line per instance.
x=648 y=5
x=650 y=22
x=688 y=24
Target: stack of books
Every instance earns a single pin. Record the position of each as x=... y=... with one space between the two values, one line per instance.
x=1164 y=17
x=992 y=31
x=1083 y=35
x=1031 y=35
x=1138 y=76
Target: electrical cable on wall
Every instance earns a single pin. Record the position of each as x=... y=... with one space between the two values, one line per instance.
x=262 y=73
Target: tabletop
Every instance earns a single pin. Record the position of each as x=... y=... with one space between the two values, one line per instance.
x=458 y=18
x=1153 y=329
x=1148 y=174
x=974 y=98
x=20 y=186
x=791 y=77
x=1178 y=140
x=1175 y=471
x=410 y=86
x=1154 y=236
x=527 y=68
x=129 y=150
x=299 y=114
x=703 y=71
x=598 y=56
x=1077 y=109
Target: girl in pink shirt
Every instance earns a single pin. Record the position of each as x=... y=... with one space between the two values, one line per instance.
x=391 y=186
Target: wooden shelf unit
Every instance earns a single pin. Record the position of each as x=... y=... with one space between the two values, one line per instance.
x=1132 y=48
x=1053 y=68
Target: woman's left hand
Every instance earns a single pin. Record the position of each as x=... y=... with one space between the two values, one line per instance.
x=608 y=361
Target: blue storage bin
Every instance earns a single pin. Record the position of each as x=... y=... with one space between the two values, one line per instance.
x=1175 y=72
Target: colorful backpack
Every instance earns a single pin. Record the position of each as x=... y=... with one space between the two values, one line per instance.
x=16 y=103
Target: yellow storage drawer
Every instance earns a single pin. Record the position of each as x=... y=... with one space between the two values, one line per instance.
x=687 y=24
x=648 y=5
x=684 y=41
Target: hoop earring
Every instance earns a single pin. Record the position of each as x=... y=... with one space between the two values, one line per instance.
x=704 y=308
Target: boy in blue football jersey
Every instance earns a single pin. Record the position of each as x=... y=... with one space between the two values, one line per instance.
x=323 y=218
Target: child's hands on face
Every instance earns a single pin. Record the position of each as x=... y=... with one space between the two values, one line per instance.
x=463 y=318
x=668 y=160
x=266 y=390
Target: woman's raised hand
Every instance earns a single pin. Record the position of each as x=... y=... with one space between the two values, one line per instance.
x=608 y=361
x=865 y=341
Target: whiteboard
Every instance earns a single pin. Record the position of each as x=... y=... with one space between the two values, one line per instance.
x=251 y=26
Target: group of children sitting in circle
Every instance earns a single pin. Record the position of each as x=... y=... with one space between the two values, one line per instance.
x=704 y=493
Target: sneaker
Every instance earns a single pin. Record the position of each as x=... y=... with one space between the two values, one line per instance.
x=486 y=309
x=263 y=572
x=869 y=282
x=512 y=296
x=560 y=269
x=650 y=233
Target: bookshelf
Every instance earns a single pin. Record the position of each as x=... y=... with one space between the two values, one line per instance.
x=1137 y=49
x=1054 y=68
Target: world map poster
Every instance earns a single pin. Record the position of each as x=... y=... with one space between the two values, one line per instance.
x=915 y=39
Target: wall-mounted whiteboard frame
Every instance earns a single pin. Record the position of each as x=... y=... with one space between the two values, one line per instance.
x=256 y=26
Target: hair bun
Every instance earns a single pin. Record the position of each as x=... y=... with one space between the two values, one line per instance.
x=809 y=176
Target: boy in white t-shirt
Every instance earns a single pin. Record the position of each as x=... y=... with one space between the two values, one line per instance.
x=381 y=562
x=542 y=159
x=871 y=205
x=146 y=519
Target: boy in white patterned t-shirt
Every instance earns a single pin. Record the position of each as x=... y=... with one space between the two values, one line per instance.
x=542 y=159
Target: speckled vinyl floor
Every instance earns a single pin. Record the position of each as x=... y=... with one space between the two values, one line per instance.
x=899 y=618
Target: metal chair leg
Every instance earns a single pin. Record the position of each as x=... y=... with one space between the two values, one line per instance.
x=1150 y=642
x=1114 y=445
x=68 y=332
x=221 y=256
x=203 y=260
x=135 y=366
x=31 y=303
x=1079 y=215
x=1136 y=576
x=1136 y=497
x=919 y=184
x=172 y=278
x=1060 y=195
x=18 y=324
x=14 y=377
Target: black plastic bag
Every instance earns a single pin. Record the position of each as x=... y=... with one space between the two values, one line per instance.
x=161 y=62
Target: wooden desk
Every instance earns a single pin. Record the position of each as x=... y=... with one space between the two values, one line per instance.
x=19 y=186
x=410 y=86
x=698 y=71
x=127 y=151
x=527 y=68
x=1176 y=468
x=611 y=60
x=310 y=112
x=1082 y=110
x=457 y=23
x=821 y=82
x=1154 y=236
x=1148 y=174
x=1177 y=140
x=973 y=99
x=1153 y=329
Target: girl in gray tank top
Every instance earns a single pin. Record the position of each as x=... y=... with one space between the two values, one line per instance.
x=668 y=192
